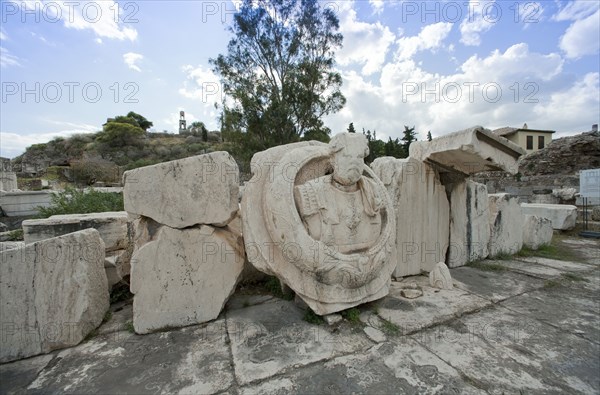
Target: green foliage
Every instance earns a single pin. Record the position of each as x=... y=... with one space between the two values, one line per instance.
x=351 y=128
x=378 y=148
x=312 y=318
x=389 y=327
x=129 y=327
x=409 y=135
x=141 y=121
x=279 y=72
x=574 y=277
x=75 y=201
x=429 y=138
x=119 y=134
x=15 y=235
x=273 y=286
x=551 y=251
x=352 y=315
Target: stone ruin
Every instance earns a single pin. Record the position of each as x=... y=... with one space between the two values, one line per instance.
x=331 y=229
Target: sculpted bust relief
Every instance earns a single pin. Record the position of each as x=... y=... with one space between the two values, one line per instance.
x=342 y=209
x=318 y=218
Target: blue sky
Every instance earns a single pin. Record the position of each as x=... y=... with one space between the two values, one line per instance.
x=441 y=66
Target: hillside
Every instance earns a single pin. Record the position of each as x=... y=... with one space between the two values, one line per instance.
x=564 y=156
x=86 y=158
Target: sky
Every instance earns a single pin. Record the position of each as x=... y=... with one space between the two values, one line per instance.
x=67 y=66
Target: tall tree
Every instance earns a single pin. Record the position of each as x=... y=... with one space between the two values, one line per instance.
x=278 y=74
x=429 y=138
x=351 y=128
x=141 y=121
x=409 y=136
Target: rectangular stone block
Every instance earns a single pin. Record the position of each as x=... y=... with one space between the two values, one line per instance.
x=563 y=216
x=201 y=189
x=53 y=293
x=469 y=151
x=506 y=224
x=183 y=276
x=111 y=225
x=469 y=223
x=422 y=213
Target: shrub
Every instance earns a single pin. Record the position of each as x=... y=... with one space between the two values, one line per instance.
x=75 y=201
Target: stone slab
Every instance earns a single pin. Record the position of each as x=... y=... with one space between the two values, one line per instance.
x=469 y=223
x=190 y=361
x=388 y=368
x=563 y=216
x=24 y=203
x=184 y=277
x=469 y=151
x=422 y=213
x=566 y=361
x=53 y=292
x=492 y=285
x=10 y=245
x=506 y=225
x=563 y=266
x=434 y=307
x=272 y=338
x=528 y=268
x=111 y=225
x=537 y=231
x=569 y=310
x=16 y=376
x=200 y=189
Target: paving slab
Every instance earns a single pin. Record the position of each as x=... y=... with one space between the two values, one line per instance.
x=568 y=362
x=529 y=268
x=434 y=307
x=192 y=360
x=238 y=300
x=567 y=309
x=16 y=376
x=492 y=285
x=388 y=368
x=272 y=337
x=563 y=266
x=589 y=249
x=489 y=367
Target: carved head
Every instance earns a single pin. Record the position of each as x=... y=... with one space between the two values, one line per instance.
x=348 y=152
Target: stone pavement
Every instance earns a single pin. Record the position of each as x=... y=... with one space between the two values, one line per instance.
x=528 y=325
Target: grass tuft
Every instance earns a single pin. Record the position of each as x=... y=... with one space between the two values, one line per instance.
x=352 y=315
x=312 y=318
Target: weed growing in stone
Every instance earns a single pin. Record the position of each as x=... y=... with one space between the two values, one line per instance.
x=573 y=277
x=312 y=318
x=129 y=327
x=389 y=327
x=352 y=315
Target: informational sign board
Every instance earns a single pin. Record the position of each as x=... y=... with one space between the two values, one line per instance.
x=589 y=183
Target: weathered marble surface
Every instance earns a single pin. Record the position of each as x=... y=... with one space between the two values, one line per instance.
x=319 y=219
x=111 y=225
x=440 y=277
x=506 y=224
x=422 y=213
x=184 y=276
x=537 y=231
x=53 y=292
x=469 y=151
x=563 y=216
x=469 y=223
x=198 y=190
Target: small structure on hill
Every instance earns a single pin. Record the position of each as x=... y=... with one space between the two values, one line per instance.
x=531 y=140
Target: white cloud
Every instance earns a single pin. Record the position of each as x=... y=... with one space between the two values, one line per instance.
x=202 y=85
x=365 y=44
x=3 y=35
x=577 y=104
x=502 y=89
x=131 y=59
x=576 y=10
x=430 y=37
x=377 y=6
x=7 y=59
x=479 y=19
x=102 y=17
x=582 y=37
